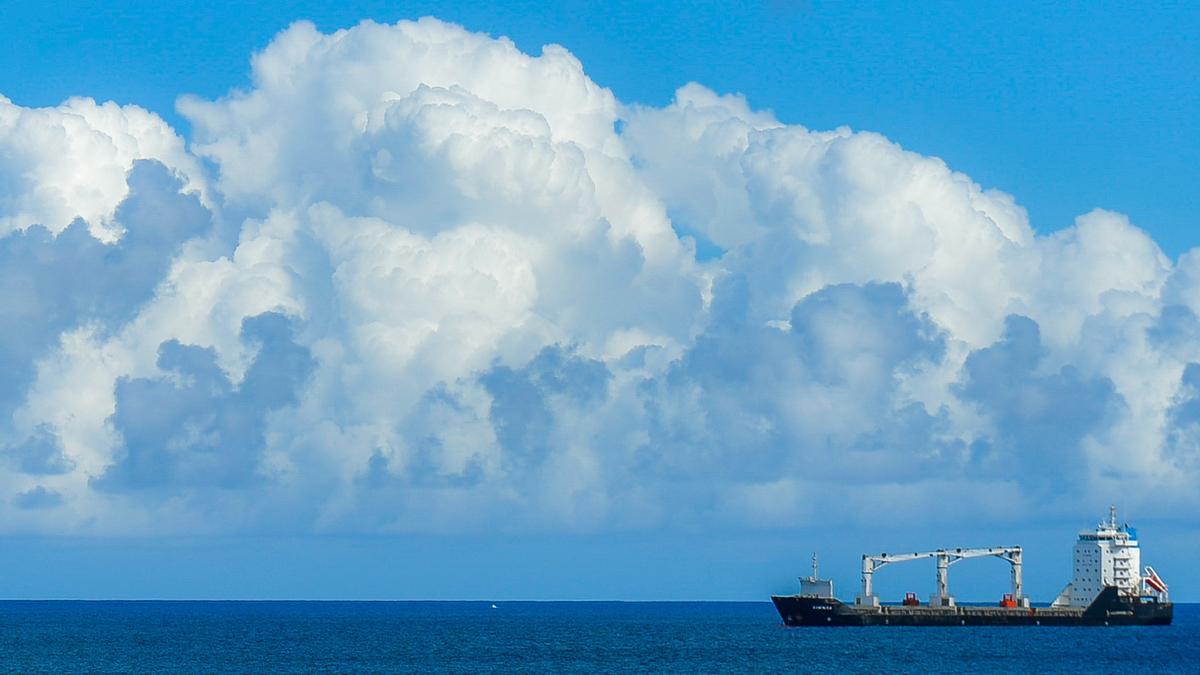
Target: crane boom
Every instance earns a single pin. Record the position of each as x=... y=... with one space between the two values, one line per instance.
x=945 y=558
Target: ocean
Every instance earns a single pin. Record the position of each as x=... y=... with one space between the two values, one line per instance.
x=546 y=637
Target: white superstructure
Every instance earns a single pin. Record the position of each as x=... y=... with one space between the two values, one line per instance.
x=1106 y=556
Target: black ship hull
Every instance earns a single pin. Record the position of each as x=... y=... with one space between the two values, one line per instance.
x=1108 y=609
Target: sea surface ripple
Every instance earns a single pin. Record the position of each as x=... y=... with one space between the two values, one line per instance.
x=186 y=636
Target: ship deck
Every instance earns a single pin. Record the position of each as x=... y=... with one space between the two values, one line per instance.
x=1107 y=609
x=971 y=610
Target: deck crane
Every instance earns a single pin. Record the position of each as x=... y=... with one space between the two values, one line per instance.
x=945 y=558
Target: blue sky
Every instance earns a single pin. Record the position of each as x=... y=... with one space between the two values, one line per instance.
x=413 y=312
x=1066 y=107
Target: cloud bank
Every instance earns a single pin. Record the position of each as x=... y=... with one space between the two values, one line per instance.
x=413 y=279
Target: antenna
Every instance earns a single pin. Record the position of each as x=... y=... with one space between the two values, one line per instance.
x=1112 y=516
x=814 y=574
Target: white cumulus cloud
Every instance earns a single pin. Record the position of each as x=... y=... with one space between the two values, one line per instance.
x=440 y=284
x=70 y=162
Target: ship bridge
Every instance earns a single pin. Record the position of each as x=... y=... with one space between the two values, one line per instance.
x=1108 y=556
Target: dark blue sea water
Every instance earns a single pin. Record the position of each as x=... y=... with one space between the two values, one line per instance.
x=547 y=637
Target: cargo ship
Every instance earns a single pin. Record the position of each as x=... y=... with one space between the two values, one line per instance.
x=1107 y=589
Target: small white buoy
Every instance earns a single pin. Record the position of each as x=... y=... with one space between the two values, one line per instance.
x=493 y=607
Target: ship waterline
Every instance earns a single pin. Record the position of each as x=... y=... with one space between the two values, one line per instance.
x=1108 y=609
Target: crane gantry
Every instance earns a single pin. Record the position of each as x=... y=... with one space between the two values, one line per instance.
x=945 y=558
